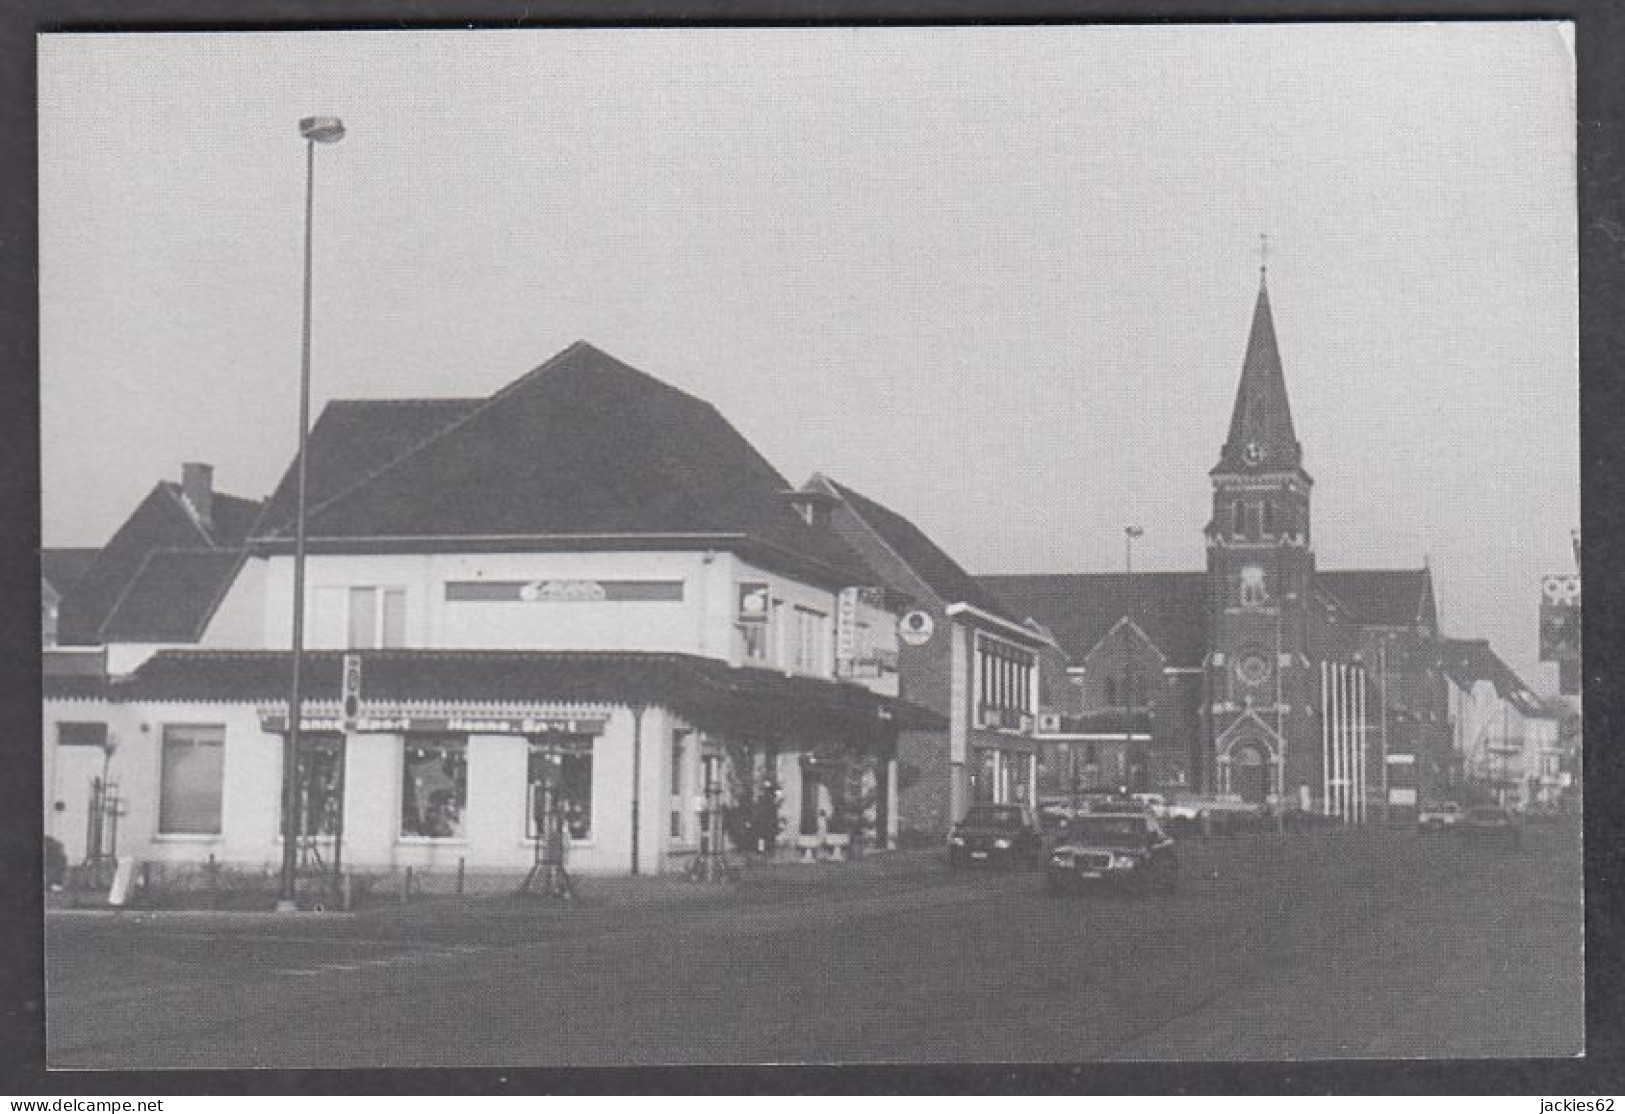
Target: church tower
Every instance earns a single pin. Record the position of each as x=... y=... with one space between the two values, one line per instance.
x=1257 y=683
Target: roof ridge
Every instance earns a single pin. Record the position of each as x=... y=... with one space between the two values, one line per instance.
x=175 y=492
x=480 y=407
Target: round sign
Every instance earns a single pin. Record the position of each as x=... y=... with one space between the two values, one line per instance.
x=916 y=628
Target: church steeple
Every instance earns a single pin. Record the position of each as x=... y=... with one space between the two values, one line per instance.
x=1261 y=436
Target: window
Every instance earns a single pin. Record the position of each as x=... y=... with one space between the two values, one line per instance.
x=679 y=777
x=559 y=776
x=189 y=789
x=809 y=648
x=434 y=788
x=319 y=777
x=1269 y=517
x=1238 y=520
x=1253 y=592
x=1005 y=676
x=377 y=618
x=81 y=735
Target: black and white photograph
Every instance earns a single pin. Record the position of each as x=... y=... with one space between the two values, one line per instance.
x=811 y=545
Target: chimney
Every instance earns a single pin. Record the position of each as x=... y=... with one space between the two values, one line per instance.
x=197 y=484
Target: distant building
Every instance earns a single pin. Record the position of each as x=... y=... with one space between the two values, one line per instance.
x=963 y=655
x=588 y=581
x=1507 y=738
x=1262 y=676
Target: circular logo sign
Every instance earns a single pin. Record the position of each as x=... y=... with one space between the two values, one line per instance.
x=916 y=628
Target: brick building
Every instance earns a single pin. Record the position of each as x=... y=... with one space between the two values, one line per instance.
x=1263 y=675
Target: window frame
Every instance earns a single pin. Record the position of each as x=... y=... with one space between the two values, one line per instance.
x=410 y=741
x=160 y=831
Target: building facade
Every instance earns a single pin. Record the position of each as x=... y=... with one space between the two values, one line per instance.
x=585 y=595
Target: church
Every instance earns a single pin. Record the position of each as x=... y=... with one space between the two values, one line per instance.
x=1263 y=676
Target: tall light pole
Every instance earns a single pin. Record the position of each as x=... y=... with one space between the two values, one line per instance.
x=1129 y=534
x=315 y=129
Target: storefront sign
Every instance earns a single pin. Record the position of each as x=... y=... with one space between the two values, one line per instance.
x=564 y=591
x=856 y=654
x=916 y=628
x=441 y=725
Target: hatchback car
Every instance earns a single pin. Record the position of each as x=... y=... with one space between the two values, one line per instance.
x=996 y=835
x=1121 y=850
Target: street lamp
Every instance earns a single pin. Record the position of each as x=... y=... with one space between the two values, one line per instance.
x=315 y=129
x=1135 y=771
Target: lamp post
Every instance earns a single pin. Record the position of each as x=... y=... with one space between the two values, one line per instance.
x=315 y=129
x=1129 y=534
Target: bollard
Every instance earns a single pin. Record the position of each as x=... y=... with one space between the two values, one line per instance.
x=406 y=886
x=346 y=893
x=459 y=876
x=213 y=870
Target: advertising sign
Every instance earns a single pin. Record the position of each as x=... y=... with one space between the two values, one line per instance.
x=350 y=691
x=856 y=654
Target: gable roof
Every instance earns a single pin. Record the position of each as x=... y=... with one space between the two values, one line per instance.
x=583 y=446
x=62 y=568
x=1082 y=608
x=1381 y=597
x=163 y=520
x=172 y=596
x=940 y=572
x=352 y=439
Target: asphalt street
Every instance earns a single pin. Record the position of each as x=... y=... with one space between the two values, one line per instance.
x=1312 y=945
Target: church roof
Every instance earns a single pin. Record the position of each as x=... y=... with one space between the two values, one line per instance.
x=1080 y=608
x=1381 y=597
x=584 y=449
x=940 y=572
x=1262 y=415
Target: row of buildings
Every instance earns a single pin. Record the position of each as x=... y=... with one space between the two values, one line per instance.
x=590 y=584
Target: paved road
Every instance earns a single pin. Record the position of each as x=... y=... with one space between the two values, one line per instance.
x=1326 y=945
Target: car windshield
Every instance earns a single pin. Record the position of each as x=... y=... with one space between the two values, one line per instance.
x=1113 y=830
x=1006 y=816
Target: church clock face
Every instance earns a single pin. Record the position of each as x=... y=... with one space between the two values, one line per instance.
x=1253 y=453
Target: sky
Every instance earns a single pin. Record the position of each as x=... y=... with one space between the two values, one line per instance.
x=999 y=279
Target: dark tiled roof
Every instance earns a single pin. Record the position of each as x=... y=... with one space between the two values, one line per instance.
x=582 y=446
x=930 y=563
x=765 y=702
x=1382 y=597
x=62 y=568
x=173 y=596
x=1081 y=608
x=1468 y=661
x=354 y=438
x=162 y=520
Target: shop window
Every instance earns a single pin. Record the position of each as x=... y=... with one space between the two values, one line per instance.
x=434 y=788
x=1005 y=675
x=560 y=767
x=377 y=618
x=320 y=780
x=190 y=783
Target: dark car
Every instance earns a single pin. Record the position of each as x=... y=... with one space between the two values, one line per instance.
x=1131 y=851
x=1488 y=824
x=996 y=835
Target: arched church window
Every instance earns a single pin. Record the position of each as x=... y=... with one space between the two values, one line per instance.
x=1238 y=521
x=1269 y=518
x=1253 y=593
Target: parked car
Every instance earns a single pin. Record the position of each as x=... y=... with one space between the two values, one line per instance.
x=996 y=835
x=1489 y=825
x=1438 y=817
x=1125 y=850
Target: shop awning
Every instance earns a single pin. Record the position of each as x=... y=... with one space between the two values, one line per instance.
x=758 y=703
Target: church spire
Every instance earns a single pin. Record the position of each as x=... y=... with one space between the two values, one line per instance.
x=1261 y=435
